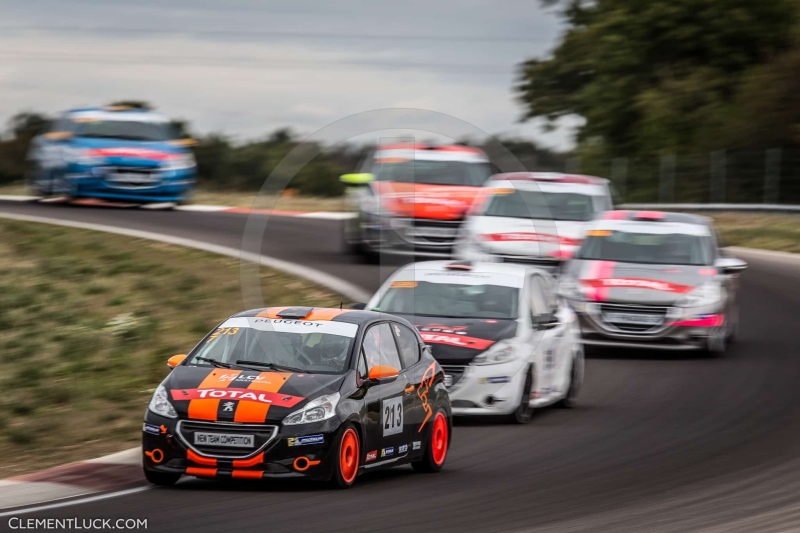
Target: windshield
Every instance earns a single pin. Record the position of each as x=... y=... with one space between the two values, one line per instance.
x=661 y=249
x=306 y=346
x=541 y=205
x=435 y=172
x=450 y=300
x=125 y=129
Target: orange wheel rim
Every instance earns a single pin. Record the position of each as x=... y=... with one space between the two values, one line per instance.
x=348 y=456
x=439 y=439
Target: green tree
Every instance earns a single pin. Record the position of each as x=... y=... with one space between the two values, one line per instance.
x=654 y=76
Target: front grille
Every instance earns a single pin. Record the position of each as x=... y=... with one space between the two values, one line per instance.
x=427 y=232
x=634 y=319
x=132 y=177
x=455 y=372
x=263 y=435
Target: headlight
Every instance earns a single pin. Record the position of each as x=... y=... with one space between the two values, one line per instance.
x=179 y=162
x=571 y=290
x=705 y=294
x=322 y=408
x=160 y=404
x=502 y=352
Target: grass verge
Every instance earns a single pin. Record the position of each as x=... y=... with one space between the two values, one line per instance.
x=87 y=322
x=755 y=230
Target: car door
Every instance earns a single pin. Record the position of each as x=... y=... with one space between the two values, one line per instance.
x=543 y=338
x=385 y=398
x=556 y=350
x=417 y=376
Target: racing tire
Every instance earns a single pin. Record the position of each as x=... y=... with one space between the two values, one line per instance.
x=349 y=247
x=438 y=445
x=733 y=328
x=162 y=479
x=524 y=412
x=347 y=459
x=570 y=400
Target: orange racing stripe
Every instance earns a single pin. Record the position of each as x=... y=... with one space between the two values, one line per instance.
x=200 y=460
x=256 y=412
x=203 y=472
x=247 y=474
x=206 y=408
x=247 y=463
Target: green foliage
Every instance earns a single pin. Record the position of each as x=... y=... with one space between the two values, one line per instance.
x=664 y=76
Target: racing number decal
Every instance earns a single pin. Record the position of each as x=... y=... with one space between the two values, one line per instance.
x=392 y=416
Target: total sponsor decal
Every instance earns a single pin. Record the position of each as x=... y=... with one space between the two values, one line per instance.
x=492 y=380
x=403 y=448
x=151 y=429
x=416 y=445
x=271 y=398
x=530 y=236
x=304 y=441
x=387 y=452
x=456 y=340
x=637 y=283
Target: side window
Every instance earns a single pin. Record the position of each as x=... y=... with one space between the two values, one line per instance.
x=538 y=301
x=408 y=343
x=379 y=347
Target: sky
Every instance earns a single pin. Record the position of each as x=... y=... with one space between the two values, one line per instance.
x=248 y=67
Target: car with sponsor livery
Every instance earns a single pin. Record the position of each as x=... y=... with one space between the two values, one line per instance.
x=532 y=217
x=412 y=198
x=506 y=343
x=112 y=153
x=649 y=279
x=299 y=392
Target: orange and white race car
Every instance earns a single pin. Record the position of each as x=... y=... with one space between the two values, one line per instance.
x=412 y=198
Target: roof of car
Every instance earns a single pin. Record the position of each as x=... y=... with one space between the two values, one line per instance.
x=119 y=112
x=510 y=269
x=552 y=177
x=352 y=316
x=643 y=215
x=427 y=152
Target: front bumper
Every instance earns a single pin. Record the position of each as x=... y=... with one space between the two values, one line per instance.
x=159 y=186
x=488 y=389
x=172 y=451
x=396 y=235
x=685 y=329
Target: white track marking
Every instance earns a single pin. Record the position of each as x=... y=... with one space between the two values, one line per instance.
x=18 y=198
x=328 y=215
x=69 y=503
x=319 y=277
x=202 y=208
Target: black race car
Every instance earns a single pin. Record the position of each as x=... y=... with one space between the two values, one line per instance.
x=299 y=392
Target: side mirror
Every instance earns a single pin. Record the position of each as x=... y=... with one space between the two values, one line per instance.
x=58 y=135
x=175 y=360
x=357 y=306
x=357 y=179
x=730 y=265
x=383 y=373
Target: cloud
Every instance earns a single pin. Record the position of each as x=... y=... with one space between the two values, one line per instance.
x=245 y=67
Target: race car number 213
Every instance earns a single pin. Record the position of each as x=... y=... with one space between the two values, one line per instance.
x=392 y=416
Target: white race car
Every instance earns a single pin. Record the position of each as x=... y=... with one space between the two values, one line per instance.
x=506 y=342
x=531 y=217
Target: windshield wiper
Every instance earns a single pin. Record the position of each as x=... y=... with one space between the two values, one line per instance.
x=214 y=362
x=269 y=365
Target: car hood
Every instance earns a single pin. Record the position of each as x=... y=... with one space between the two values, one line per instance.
x=124 y=152
x=200 y=393
x=516 y=236
x=610 y=281
x=459 y=340
x=418 y=200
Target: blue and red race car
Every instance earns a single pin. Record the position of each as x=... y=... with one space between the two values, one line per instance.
x=112 y=153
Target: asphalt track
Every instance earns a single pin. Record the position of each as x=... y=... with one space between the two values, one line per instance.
x=661 y=442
